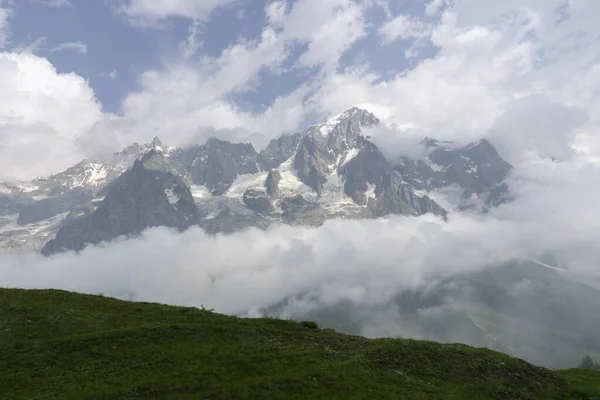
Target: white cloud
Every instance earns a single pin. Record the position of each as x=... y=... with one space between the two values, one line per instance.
x=276 y=12
x=488 y=58
x=328 y=27
x=434 y=7
x=78 y=47
x=192 y=44
x=5 y=15
x=55 y=3
x=151 y=11
x=113 y=74
x=32 y=47
x=183 y=98
x=38 y=46
x=41 y=114
x=404 y=27
x=534 y=125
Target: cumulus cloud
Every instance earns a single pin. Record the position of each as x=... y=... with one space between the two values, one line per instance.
x=198 y=95
x=192 y=44
x=276 y=12
x=5 y=14
x=42 y=113
x=487 y=59
x=151 y=11
x=54 y=3
x=535 y=125
x=403 y=27
x=490 y=64
x=434 y=6
x=328 y=27
x=78 y=47
x=184 y=98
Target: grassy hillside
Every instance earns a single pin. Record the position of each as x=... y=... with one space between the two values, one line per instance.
x=59 y=345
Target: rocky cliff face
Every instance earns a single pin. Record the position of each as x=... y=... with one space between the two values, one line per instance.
x=216 y=164
x=139 y=199
x=330 y=170
x=476 y=168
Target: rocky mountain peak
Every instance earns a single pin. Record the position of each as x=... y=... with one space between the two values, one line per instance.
x=157 y=144
x=156 y=161
x=139 y=199
x=343 y=129
x=331 y=170
x=431 y=143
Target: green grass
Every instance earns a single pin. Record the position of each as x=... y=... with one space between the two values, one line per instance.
x=60 y=345
x=586 y=382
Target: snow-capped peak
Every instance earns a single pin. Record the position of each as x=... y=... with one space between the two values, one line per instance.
x=329 y=125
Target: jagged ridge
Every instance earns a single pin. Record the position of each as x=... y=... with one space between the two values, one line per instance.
x=327 y=171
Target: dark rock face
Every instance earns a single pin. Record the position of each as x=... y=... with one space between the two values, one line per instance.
x=369 y=167
x=155 y=161
x=272 y=183
x=319 y=149
x=401 y=200
x=348 y=131
x=225 y=216
x=48 y=208
x=13 y=204
x=138 y=199
x=477 y=168
x=311 y=162
x=292 y=205
x=297 y=210
x=258 y=201
x=279 y=150
x=218 y=163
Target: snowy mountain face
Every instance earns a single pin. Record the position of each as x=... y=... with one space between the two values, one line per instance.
x=476 y=168
x=327 y=171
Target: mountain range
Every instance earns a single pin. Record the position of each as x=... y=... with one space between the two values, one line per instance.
x=330 y=170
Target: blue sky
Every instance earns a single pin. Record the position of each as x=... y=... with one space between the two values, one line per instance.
x=117 y=50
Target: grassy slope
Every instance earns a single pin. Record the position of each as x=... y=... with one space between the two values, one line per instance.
x=59 y=345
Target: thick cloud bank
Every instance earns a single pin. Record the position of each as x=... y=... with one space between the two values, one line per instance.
x=366 y=262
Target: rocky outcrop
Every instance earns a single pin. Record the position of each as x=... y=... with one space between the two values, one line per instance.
x=258 y=201
x=312 y=161
x=223 y=215
x=13 y=203
x=48 y=208
x=321 y=146
x=279 y=150
x=138 y=199
x=400 y=199
x=477 y=168
x=368 y=168
x=218 y=163
x=272 y=183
